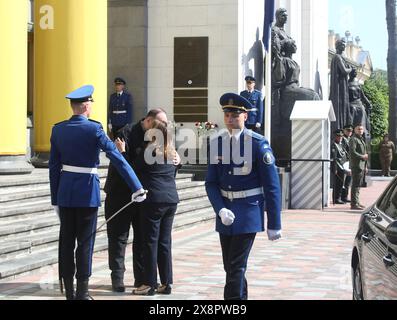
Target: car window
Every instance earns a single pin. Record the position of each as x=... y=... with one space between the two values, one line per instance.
x=389 y=204
x=384 y=202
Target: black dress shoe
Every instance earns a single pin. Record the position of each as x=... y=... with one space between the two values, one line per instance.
x=164 y=289
x=338 y=201
x=82 y=290
x=346 y=200
x=118 y=286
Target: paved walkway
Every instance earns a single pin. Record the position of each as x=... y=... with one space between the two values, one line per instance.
x=312 y=261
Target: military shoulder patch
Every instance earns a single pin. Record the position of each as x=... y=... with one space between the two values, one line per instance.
x=268 y=158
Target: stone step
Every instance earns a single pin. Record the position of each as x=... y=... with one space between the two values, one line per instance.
x=10 y=194
x=28 y=262
x=26 y=207
x=40 y=176
x=42 y=250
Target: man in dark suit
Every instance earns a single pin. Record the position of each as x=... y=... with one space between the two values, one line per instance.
x=75 y=189
x=131 y=140
x=120 y=107
x=358 y=164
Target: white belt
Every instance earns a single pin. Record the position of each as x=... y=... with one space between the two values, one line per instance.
x=79 y=169
x=241 y=194
x=119 y=112
x=253 y=109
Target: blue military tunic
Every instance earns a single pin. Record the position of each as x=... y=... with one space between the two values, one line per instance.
x=255 y=115
x=120 y=109
x=77 y=142
x=260 y=172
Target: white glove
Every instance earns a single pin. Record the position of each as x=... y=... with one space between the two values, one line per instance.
x=139 y=196
x=258 y=125
x=56 y=209
x=110 y=126
x=227 y=216
x=273 y=234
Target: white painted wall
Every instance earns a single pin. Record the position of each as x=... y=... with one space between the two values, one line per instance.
x=217 y=19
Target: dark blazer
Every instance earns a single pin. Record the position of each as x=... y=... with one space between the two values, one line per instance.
x=134 y=138
x=357 y=148
x=158 y=179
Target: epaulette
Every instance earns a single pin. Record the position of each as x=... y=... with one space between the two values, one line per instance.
x=60 y=122
x=95 y=121
x=255 y=135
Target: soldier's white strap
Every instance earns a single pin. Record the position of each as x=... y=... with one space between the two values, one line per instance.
x=119 y=112
x=79 y=169
x=253 y=109
x=241 y=194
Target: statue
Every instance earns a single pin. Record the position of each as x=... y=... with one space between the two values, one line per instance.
x=286 y=73
x=339 y=92
x=359 y=112
x=278 y=34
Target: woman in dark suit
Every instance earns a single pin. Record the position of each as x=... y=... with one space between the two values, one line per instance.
x=156 y=170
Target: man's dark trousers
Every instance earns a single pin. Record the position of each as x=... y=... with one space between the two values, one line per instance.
x=80 y=224
x=235 y=252
x=118 y=231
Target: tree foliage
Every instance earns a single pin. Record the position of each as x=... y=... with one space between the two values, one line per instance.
x=377 y=91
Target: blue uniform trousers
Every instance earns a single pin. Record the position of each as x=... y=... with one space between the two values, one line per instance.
x=156 y=222
x=235 y=252
x=118 y=230
x=80 y=224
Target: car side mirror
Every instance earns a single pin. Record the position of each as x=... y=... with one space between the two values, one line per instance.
x=391 y=233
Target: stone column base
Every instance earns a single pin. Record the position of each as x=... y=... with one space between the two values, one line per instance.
x=14 y=165
x=40 y=160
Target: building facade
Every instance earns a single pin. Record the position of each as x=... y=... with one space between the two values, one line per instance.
x=177 y=54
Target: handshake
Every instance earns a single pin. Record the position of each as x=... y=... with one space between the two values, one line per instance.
x=139 y=195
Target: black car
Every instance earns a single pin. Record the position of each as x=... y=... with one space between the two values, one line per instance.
x=374 y=256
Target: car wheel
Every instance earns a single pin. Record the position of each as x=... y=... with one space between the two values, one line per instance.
x=357 y=284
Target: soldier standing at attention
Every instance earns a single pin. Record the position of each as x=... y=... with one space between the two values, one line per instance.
x=347 y=133
x=358 y=163
x=255 y=115
x=120 y=107
x=339 y=158
x=386 y=151
x=75 y=189
x=238 y=189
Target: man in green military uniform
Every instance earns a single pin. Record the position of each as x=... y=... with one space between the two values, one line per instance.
x=339 y=158
x=358 y=164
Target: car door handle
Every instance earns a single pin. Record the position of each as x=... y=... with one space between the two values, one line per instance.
x=366 y=238
x=388 y=261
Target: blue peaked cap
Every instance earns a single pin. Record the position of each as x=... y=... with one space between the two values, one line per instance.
x=81 y=94
x=232 y=102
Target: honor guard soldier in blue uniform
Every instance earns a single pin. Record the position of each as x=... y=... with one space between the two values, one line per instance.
x=120 y=107
x=75 y=188
x=238 y=189
x=255 y=115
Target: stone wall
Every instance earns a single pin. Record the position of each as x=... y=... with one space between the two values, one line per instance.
x=127 y=49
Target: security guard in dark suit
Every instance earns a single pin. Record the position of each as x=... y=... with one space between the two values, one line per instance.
x=117 y=195
x=358 y=164
x=75 y=189
x=339 y=158
x=241 y=177
x=255 y=115
x=347 y=133
x=120 y=107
